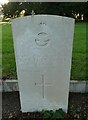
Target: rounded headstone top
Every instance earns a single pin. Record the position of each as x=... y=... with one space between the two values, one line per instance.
x=43 y=15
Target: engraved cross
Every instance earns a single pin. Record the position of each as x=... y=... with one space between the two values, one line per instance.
x=43 y=84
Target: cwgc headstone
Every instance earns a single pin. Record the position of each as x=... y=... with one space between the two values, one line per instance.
x=43 y=51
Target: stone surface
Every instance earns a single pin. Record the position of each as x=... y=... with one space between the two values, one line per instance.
x=43 y=48
x=9 y=86
x=74 y=86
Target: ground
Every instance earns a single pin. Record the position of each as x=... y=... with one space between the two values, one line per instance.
x=77 y=110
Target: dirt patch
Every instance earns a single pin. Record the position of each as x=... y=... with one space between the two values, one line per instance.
x=77 y=109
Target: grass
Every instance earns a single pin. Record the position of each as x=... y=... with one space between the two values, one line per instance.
x=8 y=58
x=78 y=71
x=0 y=50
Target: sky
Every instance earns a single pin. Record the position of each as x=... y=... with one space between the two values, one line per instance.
x=3 y=1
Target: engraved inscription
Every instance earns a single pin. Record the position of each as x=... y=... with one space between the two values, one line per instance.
x=43 y=84
x=42 y=39
x=42 y=23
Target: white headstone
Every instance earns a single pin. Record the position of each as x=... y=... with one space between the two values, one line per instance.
x=43 y=49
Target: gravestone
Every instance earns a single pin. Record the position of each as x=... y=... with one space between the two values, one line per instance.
x=43 y=51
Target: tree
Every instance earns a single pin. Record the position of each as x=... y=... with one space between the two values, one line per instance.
x=70 y=9
x=10 y=9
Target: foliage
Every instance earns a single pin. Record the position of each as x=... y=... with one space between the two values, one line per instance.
x=70 y=9
x=10 y=9
x=53 y=115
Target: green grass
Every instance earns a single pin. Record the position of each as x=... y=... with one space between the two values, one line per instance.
x=8 y=58
x=78 y=71
x=0 y=50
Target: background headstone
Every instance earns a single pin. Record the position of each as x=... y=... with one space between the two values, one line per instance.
x=43 y=51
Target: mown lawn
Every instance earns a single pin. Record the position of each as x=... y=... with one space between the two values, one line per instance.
x=78 y=71
x=8 y=58
x=0 y=51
